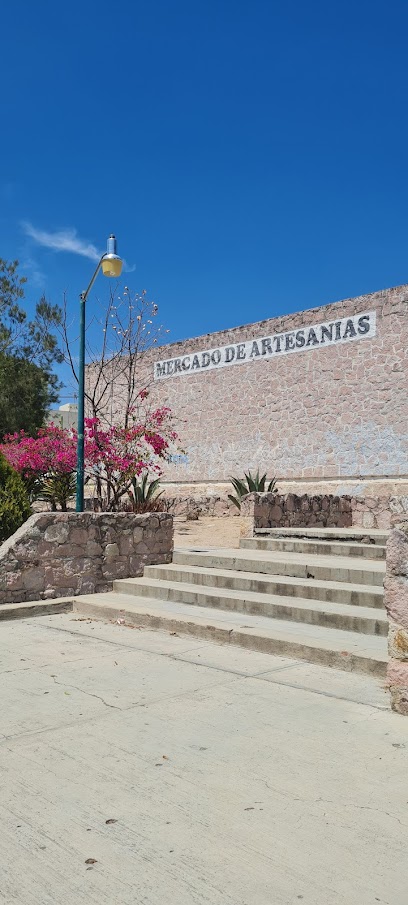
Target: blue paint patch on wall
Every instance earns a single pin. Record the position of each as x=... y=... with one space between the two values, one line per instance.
x=179 y=459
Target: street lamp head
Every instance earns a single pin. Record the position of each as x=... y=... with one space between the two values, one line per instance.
x=111 y=262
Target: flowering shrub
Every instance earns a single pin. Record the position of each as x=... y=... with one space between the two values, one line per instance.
x=49 y=458
x=118 y=455
x=114 y=457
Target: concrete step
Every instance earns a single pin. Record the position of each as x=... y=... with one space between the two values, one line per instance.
x=255 y=582
x=296 y=565
x=345 y=617
x=315 y=547
x=349 y=651
x=361 y=535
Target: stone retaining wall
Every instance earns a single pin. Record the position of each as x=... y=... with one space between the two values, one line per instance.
x=56 y=554
x=273 y=510
x=396 y=603
x=369 y=509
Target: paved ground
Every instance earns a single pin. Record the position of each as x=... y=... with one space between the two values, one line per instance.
x=192 y=773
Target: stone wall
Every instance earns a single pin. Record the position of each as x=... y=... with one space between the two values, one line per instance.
x=379 y=512
x=273 y=510
x=369 y=510
x=335 y=412
x=396 y=603
x=56 y=554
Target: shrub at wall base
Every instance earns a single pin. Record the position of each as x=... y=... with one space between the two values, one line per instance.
x=61 y=554
x=396 y=603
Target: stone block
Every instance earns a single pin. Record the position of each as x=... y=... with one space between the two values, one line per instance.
x=135 y=566
x=397 y=551
x=111 y=551
x=92 y=548
x=397 y=682
x=397 y=673
x=14 y=581
x=399 y=699
x=396 y=599
x=79 y=536
x=368 y=520
x=126 y=544
x=116 y=569
x=246 y=527
x=33 y=579
x=276 y=514
x=86 y=586
x=397 y=642
x=57 y=533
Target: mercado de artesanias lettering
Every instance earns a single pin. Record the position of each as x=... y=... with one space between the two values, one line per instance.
x=346 y=329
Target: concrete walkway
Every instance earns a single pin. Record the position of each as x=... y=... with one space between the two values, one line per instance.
x=192 y=773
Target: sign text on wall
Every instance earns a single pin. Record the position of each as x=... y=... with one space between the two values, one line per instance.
x=331 y=333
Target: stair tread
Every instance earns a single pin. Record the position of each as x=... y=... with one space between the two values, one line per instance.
x=330 y=639
x=279 y=556
x=352 y=533
x=268 y=577
x=321 y=606
x=249 y=543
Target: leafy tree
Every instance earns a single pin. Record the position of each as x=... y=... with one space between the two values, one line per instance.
x=25 y=342
x=14 y=503
x=25 y=395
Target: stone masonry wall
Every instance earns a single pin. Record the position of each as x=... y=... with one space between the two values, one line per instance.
x=368 y=510
x=272 y=510
x=333 y=412
x=56 y=554
x=396 y=603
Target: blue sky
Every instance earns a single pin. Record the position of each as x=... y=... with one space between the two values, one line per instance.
x=250 y=157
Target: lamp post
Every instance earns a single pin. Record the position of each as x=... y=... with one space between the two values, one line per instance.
x=111 y=265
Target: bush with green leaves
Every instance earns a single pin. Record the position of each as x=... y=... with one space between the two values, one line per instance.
x=14 y=503
x=57 y=489
x=251 y=484
x=145 y=496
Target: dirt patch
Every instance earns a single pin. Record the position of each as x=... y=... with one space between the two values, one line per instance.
x=208 y=531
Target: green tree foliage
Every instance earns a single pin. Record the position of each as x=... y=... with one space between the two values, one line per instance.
x=28 y=351
x=14 y=503
x=25 y=395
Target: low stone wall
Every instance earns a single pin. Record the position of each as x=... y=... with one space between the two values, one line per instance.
x=273 y=510
x=378 y=512
x=396 y=603
x=55 y=554
x=214 y=504
x=374 y=504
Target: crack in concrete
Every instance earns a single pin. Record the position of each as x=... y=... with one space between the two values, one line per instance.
x=350 y=804
x=88 y=693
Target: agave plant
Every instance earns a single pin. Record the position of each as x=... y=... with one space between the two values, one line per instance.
x=251 y=483
x=145 y=496
x=57 y=489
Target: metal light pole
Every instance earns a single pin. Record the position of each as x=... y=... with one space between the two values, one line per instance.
x=111 y=265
